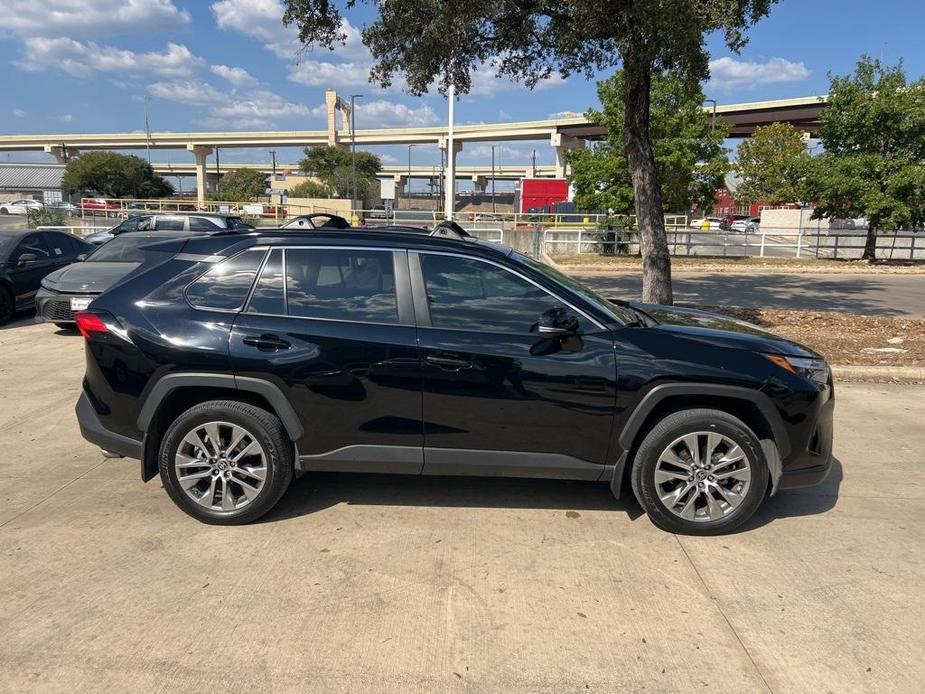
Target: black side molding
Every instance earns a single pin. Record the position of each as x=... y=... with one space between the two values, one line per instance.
x=269 y=391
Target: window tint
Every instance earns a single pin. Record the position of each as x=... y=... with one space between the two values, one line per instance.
x=144 y=224
x=227 y=284
x=342 y=284
x=203 y=224
x=268 y=294
x=169 y=223
x=237 y=223
x=130 y=224
x=467 y=294
x=31 y=244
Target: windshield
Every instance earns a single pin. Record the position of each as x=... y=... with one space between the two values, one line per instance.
x=612 y=310
x=125 y=248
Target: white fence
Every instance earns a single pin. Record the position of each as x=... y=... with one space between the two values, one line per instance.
x=769 y=243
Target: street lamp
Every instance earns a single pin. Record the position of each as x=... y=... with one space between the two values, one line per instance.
x=713 y=119
x=353 y=143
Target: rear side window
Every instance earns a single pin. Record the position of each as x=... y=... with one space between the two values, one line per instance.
x=268 y=295
x=228 y=283
x=341 y=284
x=59 y=245
x=169 y=223
x=203 y=224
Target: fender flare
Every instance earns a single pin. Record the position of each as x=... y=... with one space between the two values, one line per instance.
x=774 y=450
x=266 y=389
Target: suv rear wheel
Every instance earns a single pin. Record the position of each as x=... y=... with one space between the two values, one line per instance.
x=700 y=472
x=226 y=462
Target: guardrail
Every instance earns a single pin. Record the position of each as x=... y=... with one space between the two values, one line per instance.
x=781 y=243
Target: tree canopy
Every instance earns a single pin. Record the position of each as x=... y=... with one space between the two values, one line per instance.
x=310 y=189
x=689 y=152
x=113 y=175
x=442 y=43
x=243 y=185
x=333 y=166
x=873 y=166
x=770 y=164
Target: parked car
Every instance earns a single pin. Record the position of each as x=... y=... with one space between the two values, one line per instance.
x=100 y=206
x=70 y=209
x=201 y=221
x=319 y=220
x=706 y=223
x=20 y=206
x=734 y=222
x=753 y=226
x=74 y=287
x=25 y=258
x=247 y=357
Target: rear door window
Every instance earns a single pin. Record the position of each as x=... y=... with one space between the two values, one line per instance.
x=228 y=283
x=203 y=224
x=170 y=223
x=58 y=245
x=268 y=296
x=341 y=284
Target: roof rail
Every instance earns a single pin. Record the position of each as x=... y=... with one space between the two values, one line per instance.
x=450 y=229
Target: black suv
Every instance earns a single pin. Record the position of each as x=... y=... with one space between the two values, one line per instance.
x=245 y=357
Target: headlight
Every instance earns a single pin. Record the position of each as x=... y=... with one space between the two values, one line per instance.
x=814 y=369
x=47 y=284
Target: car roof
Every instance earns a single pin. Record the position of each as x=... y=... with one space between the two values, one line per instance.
x=159 y=235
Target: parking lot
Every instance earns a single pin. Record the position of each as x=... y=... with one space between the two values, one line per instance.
x=360 y=583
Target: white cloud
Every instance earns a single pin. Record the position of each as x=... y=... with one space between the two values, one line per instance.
x=259 y=19
x=257 y=109
x=727 y=74
x=504 y=154
x=318 y=73
x=84 y=59
x=487 y=83
x=19 y=113
x=189 y=92
x=562 y=114
x=89 y=19
x=237 y=76
x=388 y=114
x=64 y=118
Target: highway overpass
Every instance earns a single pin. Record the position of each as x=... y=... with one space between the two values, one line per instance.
x=561 y=133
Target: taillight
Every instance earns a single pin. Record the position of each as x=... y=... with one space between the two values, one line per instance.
x=88 y=323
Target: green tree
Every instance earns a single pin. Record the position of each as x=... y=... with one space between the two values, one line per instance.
x=113 y=175
x=310 y=189
x=447 y=41
x=873 y=165
x=243 y=185
x=689 y=152
x=770 y=164
x=333 y=166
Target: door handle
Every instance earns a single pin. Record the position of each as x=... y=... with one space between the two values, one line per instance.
x=267 y=343
x=445 y=362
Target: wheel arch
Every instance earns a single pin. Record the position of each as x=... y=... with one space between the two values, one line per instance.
x=753 y=407
x=176 y=393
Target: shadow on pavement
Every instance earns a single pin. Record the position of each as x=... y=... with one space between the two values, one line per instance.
x=809 y=501
x=850 y=293
x=319 y=490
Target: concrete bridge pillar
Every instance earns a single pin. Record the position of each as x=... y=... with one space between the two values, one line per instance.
x=201 y=152
x=479 y=183
x=561 y=144
x=61 y=153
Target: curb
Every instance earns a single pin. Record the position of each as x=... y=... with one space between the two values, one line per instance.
x=879 y=373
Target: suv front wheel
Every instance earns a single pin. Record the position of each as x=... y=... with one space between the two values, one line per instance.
x=226 y=462
x=700 y=472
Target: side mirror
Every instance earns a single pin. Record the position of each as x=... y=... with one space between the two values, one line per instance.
x=82 y=257
x=556 y=323
x=27 y=258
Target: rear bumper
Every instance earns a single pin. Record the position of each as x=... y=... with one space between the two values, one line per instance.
x=94 y=432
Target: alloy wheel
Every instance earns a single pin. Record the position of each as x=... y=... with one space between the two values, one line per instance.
x=703 y=476
x=221 y=466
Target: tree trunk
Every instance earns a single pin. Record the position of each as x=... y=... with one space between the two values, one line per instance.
x=870 y=246
x=647 y=191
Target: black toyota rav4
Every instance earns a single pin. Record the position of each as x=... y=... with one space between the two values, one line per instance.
x=245 y=357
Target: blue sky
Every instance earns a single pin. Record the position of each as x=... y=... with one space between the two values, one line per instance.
x=231 y=65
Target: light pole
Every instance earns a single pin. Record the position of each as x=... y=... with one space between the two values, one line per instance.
x=534 y=163
x=147 y=131
x=492 y=178
x=450 y=192
x=273 y=154
x=408 y=181
x=353 y=144
x=713 y=119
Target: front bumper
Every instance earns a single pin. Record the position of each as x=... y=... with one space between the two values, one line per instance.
x=55 y=307
x=93 y=431
x=813 y=462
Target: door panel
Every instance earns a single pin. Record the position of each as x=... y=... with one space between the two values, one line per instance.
x=356 y=386
x=492 y=384
x=27 y=278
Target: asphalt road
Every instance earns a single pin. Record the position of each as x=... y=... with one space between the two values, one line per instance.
x=359 y=583
x=868 y=294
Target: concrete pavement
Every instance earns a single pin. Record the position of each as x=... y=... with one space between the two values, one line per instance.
x=866 y=294
x=394 y=584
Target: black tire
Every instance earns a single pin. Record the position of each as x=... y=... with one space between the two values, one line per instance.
x=3 y=210
x=7 y=305
x=268 y=432
x=669 y=430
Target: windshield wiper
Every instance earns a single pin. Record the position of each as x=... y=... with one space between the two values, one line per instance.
x=646 y=320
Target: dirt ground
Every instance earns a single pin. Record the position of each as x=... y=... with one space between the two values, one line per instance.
x=843 y=338
x=592 y=262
